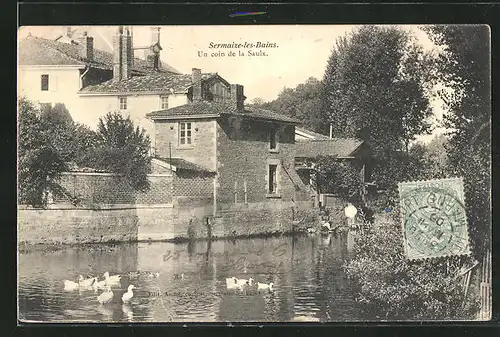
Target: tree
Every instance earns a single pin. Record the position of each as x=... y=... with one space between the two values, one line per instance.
x=39 y=161
x=123 y=149
x=303 y=103
x=258 y=101
x=340 y=177
x=437 y=155
x=71 y=140
x=464 y=66
x=57 y=114
x=376 y=89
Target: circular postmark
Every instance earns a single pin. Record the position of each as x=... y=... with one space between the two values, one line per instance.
x=435 y=222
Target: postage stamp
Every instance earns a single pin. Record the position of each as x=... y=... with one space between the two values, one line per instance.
x=434 y=219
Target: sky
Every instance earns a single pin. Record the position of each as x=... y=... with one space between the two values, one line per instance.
x=302 y=52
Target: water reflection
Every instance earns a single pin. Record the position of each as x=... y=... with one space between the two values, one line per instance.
x=186 y=282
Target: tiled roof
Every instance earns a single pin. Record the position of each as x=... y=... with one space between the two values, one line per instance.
x=313 y=134
x=337 y=147
x=183 y=164
x=39 y=51
x=152 y=82
x=204 y=108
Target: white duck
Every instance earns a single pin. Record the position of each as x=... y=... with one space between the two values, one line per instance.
x=232 y=283
x=86 y=283
x=243 y=282
x=70 y=285
x=129 y=294
x=111 y=280
x=98 y=284
x=264 y=286
x=106 y=296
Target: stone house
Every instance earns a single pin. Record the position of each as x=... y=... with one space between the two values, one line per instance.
x=250 y=151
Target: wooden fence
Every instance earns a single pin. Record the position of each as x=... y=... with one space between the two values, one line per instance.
x=485 y=288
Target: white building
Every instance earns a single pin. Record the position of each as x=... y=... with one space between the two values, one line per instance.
x=92 y=82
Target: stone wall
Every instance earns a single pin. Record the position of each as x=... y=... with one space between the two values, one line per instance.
x=243 y=158
x=69 y=226
x=164 y=217
x=201 y=151
x=259 y=219
x=170 y=222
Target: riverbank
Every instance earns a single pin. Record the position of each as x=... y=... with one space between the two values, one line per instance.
x=25 y=248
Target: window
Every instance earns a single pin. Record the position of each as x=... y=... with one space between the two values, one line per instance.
x=164 y=102
x=184 y=133
x=273 y=184
x=272 y=139
x=123 y=103
x=45 y=82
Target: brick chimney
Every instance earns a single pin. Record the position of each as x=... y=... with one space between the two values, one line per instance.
x=127 y=54
x=237 y=97
x=122 y=54
x=117 y=54
x=87 y=47
x=196 y=80
x=153 y=60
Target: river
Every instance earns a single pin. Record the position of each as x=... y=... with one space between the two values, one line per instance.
x=190 y=286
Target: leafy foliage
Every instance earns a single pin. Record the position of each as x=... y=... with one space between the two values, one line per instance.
x=49 y=141
x=39 y=161
x=375 y=89
x=464 y=66
x=339 y=177
x=392 y=287
x=57 y=114
x=122 y=149
x=71 y=140
x=303 y=102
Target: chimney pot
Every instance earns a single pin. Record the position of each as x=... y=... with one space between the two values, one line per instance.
x=155 y=35
x=196 y=80
x=155 y=39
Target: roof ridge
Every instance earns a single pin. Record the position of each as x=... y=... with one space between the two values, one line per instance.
x=54 y=44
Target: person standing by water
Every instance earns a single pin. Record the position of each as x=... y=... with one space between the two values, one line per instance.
x=350 y=212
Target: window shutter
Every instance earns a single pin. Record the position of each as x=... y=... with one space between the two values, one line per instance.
x=53 y=83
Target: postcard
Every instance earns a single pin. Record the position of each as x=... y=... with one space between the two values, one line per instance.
x=265 y=173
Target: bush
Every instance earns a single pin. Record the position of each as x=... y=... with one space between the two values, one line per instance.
x=394 y=288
